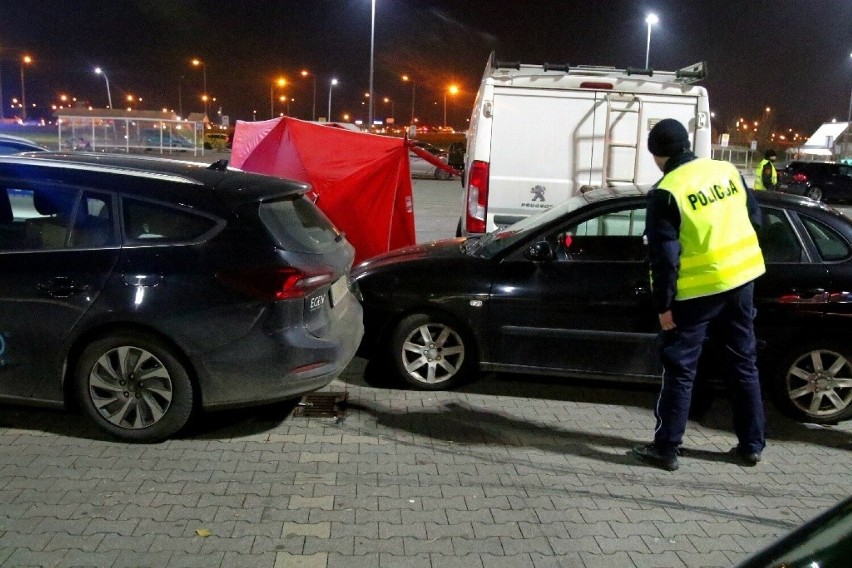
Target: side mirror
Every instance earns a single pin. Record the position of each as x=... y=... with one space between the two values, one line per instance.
x=540 y=251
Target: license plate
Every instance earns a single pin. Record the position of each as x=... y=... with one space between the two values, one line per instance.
x=339 y=290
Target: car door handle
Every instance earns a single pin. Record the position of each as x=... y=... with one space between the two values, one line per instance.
x=142 y=279
x=641 y=289
x=62 y=287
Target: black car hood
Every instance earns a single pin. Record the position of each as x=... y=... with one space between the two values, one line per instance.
x=427 y=252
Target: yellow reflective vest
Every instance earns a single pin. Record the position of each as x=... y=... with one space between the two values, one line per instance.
x=719 y=248
x=758 y=174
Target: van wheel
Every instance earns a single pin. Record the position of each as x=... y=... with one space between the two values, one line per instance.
x=813 y=383
x=134 y=387
x=431 y=352
x=815 y=193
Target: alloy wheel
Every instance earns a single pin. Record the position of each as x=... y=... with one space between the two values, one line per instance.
x=819 y=383
x=130 y=387
x=432 y=353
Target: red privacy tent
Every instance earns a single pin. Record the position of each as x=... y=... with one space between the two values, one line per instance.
x=360 y=181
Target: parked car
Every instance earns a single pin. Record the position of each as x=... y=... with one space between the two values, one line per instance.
x=215 y=140
x=15 y=145
x=423 y=168
x=154 y=138
x=567 y=293
x=821 y=181
x=823 y=542
x=144 y=289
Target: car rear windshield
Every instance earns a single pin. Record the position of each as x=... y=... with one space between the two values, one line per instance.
x=297 y=224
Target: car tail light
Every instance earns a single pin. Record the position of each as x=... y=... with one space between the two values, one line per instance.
x=800 y=178
x=597 y=85
x=277 y=282
x=477 y=197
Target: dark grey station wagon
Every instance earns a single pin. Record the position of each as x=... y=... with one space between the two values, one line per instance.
x=144 y=288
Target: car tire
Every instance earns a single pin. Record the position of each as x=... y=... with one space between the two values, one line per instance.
x=134 y=408
x=813 y=382
x=442 y=174
x=815 y=193
x=431 y=352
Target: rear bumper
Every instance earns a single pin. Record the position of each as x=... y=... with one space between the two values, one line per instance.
x=268 y=366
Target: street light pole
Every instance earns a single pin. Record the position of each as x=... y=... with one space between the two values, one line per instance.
x=650 y=20
x=25 y=60
x=849 y=121
x=281 y=82
x=100 y=71
x=372 y=45
x=196 y=62
x=452 y=90
x=314 y=109
x=330 y=85
x=405 y=78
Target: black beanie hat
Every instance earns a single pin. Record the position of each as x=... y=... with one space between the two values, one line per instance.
x=770 y=154
x=668 y=138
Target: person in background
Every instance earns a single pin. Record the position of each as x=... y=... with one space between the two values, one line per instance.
x=704 y=258
x=766 y=176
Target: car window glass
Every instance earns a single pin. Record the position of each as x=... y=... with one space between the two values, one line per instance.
x=152 y=223
x=93 y=223
x=778 y=241
x=297 y=224
x=35 y=218
x=613 y=236
x=831 y=245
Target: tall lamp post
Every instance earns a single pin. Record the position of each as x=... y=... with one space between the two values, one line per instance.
x=650 y=20
x=25 y=60
x=200 y=63
x=372 y=45
x=331 y=84
x=406 y=79
x=280 y=82
x=848 y=121
x=100 y=71
x=305 y=73
x=388 y=100
x=452 y=90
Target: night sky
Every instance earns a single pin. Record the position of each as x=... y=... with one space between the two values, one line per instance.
x=793 y=56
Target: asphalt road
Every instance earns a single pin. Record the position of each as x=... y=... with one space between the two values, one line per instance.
x=506 y=471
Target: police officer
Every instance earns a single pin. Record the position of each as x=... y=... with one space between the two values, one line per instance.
x=766 y=176
x=704 y=257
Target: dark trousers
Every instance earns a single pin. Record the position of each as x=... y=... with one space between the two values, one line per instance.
x=731 y=315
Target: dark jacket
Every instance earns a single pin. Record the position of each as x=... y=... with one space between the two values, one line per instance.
x=662 y=229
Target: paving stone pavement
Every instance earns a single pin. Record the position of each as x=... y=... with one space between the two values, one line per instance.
x=505 y=471
x=502 y=472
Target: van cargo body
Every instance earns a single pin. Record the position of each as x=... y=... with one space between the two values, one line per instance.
x=538 y=134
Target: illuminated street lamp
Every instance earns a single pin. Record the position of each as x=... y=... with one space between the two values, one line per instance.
x=100 y=71
x=650 y=20
x=25 y=60
x=407 y=79
x=199 y=63
x=452 y=90
x=388 y=100
x=331 y=84
x=280 y=82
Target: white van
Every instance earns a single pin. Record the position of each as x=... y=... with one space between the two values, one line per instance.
x=539 y=133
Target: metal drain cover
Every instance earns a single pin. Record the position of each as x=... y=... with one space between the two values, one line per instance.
x=331 y=404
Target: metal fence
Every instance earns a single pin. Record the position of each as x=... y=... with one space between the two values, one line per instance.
x=130 y=134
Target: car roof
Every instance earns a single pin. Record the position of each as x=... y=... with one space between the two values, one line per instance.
x=95 y=169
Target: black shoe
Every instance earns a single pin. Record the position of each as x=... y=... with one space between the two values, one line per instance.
x=652 y=456
x=749 y=459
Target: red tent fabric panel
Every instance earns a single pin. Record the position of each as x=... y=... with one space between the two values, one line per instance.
x=361 y=181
